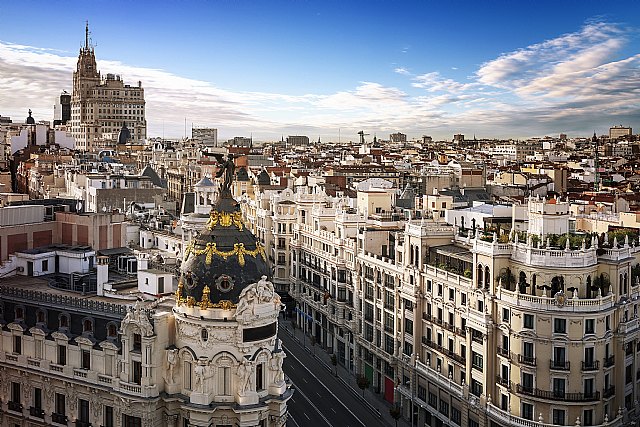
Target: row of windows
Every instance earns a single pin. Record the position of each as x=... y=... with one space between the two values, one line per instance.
x=63 y=320
x=59 y=415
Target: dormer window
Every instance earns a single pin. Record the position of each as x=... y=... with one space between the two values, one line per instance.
x=19 y=313
x=40 y=318
x=112 y=331
x=87 y=326
x=64 y=321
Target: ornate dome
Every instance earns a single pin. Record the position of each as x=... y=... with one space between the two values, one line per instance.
x=222 y=260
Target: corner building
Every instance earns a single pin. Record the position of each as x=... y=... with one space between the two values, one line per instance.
x=467 y=328
x=103 y=107
x=207 y=356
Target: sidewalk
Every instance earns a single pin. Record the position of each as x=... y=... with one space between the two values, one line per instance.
x=372 y=400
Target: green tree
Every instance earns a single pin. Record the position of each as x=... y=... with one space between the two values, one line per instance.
x=363 y=383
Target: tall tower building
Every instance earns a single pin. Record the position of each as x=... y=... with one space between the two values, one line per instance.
x=100 y=107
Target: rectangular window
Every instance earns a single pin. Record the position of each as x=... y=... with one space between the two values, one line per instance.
x=108 y=416
x=259 y=377
x=129 y=421
x=62 y=354
x=86 y=359
x=45 y=265
x=526 y=410
x=17 y=344
x=528 y=321
x=527 y=382
x=37 y=398
x=15 y=392
x=476 y=387
x=558 y=417
x=477 y=361
x=137 y=342
x=559 y=387
x=505 y=315
x=83 y=410
x=463 y=299
x=560 y=326
x=587 y=417
x=225 y=380
x=187 y=375
x=589 y=326
x=137 y=372
x=60 y=404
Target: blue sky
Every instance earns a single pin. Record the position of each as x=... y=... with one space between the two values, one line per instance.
x=490 y=68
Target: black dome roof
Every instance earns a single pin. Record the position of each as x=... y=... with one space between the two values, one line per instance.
x=263 y=178
x=224 y=257
x=124 y=135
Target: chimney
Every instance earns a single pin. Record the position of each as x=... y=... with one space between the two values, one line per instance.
x=102 y=273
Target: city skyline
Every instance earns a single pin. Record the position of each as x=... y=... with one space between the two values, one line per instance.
x=329 y=69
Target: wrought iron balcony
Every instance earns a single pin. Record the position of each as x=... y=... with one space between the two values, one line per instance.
x=59 y=418
x=36 y=412
x=592 y=365
x=14 y=406
x=559 y=365
x=558 y=394
x=609 y=361
x=527 y=360
x=503 y=382
x=608 y=392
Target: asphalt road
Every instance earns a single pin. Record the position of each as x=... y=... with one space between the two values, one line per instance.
x=319 y=398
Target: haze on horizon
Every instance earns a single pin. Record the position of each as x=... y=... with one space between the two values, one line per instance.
x=284 y=68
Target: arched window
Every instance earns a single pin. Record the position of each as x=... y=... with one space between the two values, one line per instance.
x=487 y=277
x=19 y=312
x=40 y=317
x=112 y=330
x=204 y=334
x=87 y=325
x=480 y=276
x=63 y=321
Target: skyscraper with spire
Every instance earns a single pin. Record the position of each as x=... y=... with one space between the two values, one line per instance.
x=103 y=106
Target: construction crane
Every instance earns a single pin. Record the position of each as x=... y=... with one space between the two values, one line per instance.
x=362 y=135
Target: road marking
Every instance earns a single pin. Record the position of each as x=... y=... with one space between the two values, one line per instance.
x=334 y=411
x=305 y=414
x=319 y=395
x=290 y=417
x=305 y=380
x=289 y=353
x=312 y=405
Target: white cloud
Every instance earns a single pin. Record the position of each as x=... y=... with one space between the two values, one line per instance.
x=570 y=83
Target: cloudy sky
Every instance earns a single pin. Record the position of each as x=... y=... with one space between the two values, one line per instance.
x=331 y=68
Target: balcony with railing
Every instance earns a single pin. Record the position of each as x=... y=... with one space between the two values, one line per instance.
x=591 y=365
x=583 y=305
x=609 y=361
x=59 y=418
x=609 y=392
x=559 y=365
x=36 y=412
x=14 y=406
x=526 y=360
x=505 y=418
x=558 y=394
x=504 y=352
x=505 y=382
